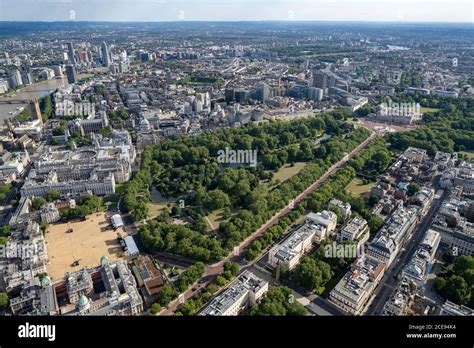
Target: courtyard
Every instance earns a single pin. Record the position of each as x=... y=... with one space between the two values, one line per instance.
x=84 y=241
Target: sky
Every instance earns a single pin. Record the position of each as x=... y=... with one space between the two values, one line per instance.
x=238 y=10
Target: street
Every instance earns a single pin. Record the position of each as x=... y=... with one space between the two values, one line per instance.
x=390 y=280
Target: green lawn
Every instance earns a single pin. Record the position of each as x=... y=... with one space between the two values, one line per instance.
x=215 y=218
x=119 y=187
x=423 y=110
x=113 y=200
x=469 y=155
x=156 y=208
x=288 y=171
x=357 y=187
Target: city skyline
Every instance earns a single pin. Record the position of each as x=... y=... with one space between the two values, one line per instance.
x=240 y=10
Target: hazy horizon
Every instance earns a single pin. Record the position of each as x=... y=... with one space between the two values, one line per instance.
x=408 y=11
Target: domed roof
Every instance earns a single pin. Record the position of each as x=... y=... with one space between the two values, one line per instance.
x=46 y=280
x=83 y=301
x=104 y=260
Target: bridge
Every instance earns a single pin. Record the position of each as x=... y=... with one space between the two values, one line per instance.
x=14 y=101
x=26 y=100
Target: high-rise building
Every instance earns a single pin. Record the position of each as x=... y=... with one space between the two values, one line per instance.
x=16 y=78
x=71 y=54
x=229 y=95
x=105 y=55
x=8 y=61
x=263 y=92
x=26 y=76
x=315 y=93
x=320 y=81
x=241 y=96
x=145 y=56
x=71 y=74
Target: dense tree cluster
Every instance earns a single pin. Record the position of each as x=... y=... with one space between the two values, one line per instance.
x=180 y=240
x=3 y=300
x=190 y=275
x=457 y=282
x=4 y=233
x=318 y=200
x=375 y=158
x=117 y=116
x=279 y=301
x=5 y=191
x=312 y=273
x=188 y=165
x=52 y=196
x=90 y=205
x=273 y=233
x=38 y=202
x=46 y=107
x=137 y=190
x=241 y=226
x=166 y=295
x=449 y=129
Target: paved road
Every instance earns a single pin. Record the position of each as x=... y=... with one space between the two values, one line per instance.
x=390 y=280
x=217 y=268
x=318 y=305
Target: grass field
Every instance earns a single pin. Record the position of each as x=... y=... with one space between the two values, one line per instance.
x=287 y=171
x=357 y=187
x=423 y=110
x=469 y=155
x=156 y=208
x=215 y=218
x=89 y=241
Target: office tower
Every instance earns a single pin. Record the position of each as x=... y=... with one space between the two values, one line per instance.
x=263 y=92
x=26 y=76
x=8 y=61
x=16 y=78
x=70 y=53
x=315 y=93
x=229 y=95
x=105 y=55
x=320 y=81
x=241 y=96
x=144 y=56
x=35 y=110
x=71 y=74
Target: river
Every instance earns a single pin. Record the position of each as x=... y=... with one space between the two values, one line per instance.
x=36 y=90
